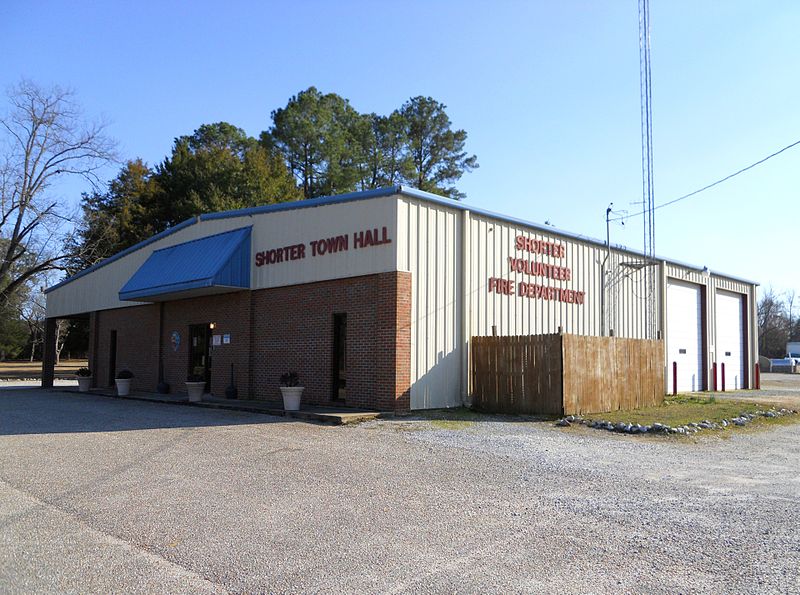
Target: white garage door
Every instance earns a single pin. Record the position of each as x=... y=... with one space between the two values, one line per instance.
x=730 y=339
x=685 y=335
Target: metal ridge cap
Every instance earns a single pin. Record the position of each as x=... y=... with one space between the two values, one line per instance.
x=303 y=203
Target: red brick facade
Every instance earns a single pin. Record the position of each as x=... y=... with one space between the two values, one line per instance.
x=273 y=331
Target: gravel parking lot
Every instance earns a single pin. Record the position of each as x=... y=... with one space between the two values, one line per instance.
x=102 y=495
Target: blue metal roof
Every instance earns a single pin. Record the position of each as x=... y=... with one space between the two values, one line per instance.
x=218 y=261
x=365 y=195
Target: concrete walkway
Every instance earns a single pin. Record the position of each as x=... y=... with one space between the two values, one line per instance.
x=330 y=415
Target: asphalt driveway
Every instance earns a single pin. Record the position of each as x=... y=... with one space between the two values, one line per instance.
x=102 y=495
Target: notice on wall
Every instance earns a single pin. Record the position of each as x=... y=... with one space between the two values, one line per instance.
x=217 y=340
x=531 y=267
x=226 y=339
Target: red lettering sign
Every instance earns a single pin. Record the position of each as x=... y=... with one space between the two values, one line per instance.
x=333 y=245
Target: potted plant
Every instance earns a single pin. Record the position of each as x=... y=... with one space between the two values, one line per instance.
x=291 y=391
x=84 y=376
x=195 y=386
x=123 y=382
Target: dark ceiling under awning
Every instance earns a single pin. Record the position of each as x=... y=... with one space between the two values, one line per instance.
x=206 y=266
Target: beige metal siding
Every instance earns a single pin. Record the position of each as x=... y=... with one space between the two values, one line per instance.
x=286 y=228
x=430 y=249
x=493 y=243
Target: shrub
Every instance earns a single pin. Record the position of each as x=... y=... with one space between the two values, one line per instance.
x=195 y=378
x=83 y=372
x=290 y=379
x=124 y=374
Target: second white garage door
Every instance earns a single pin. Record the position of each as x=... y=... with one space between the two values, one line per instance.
x=730 y=340
x=685 y=335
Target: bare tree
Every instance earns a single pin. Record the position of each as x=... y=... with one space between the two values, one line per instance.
x=773 y=327
x=32 y=310
x=44 y=138
x=790 y=295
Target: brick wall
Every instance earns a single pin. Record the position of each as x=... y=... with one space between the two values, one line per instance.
x=230 y=313
x=137 y=345
x=275 y=331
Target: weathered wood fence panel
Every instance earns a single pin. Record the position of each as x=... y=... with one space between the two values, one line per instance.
x=565 y=374
x=517 y=374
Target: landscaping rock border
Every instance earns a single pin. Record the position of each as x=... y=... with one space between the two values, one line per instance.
x=659 y=428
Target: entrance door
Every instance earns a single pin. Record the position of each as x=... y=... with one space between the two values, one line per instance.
x=200 y=352
x=339 y=357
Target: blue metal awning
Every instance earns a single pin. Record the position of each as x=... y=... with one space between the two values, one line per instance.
x=214 y=264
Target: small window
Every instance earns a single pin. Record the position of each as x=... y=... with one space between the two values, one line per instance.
x=727 y=354
x=682 y=351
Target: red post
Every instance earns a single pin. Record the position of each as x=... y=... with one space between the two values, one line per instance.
x=723 y=376
x=714 y=377
x=758 y=377
x=674 y=378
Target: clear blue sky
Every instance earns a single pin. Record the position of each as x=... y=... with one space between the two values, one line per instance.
x=547 y=91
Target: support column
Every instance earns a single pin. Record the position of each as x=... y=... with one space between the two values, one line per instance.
x=49 y=353
x=93 y=327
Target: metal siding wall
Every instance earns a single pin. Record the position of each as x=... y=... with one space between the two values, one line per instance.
x=430 y=248
x=492 y=243
x=99 y=290
x=286 y=228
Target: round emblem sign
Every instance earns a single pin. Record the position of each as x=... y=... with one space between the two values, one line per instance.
x=175 y=339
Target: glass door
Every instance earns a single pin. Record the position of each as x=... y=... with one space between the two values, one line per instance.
x=200 y=352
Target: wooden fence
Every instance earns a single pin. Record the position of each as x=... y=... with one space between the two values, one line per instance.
x=565 y=374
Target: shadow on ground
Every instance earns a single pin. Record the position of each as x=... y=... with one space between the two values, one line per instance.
x=38 y=411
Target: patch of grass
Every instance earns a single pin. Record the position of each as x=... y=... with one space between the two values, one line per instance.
x=451 y=424
x=457 y=418
x=456 y=413
x=683 y=409
x=15 y=370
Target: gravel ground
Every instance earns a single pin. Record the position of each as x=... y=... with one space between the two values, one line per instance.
x=104 y=495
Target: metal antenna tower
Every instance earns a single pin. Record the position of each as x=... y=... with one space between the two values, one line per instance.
x=648 y=194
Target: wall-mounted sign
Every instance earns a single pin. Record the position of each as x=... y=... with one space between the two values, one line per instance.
x=217 y=340
x=175 y=340
x=226 y=339
x=342 y=243
x=535 y=268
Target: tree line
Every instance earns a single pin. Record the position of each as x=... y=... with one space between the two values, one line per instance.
x=316 y=145
x=778 y=322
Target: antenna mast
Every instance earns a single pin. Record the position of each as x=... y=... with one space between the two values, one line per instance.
x=648 y=194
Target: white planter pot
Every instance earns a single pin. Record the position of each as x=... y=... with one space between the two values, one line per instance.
x=123 y=386
x=291 y=397
x=84 y=382
x=195 y=390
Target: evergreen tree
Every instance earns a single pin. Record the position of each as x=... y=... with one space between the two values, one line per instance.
x=437 y=151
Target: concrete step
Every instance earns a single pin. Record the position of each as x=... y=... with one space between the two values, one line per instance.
x=329 y=415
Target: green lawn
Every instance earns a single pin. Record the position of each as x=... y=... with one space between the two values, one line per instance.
x=14 y=370
x=684 y=409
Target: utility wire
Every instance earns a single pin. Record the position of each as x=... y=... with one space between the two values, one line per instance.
x=720 y=181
